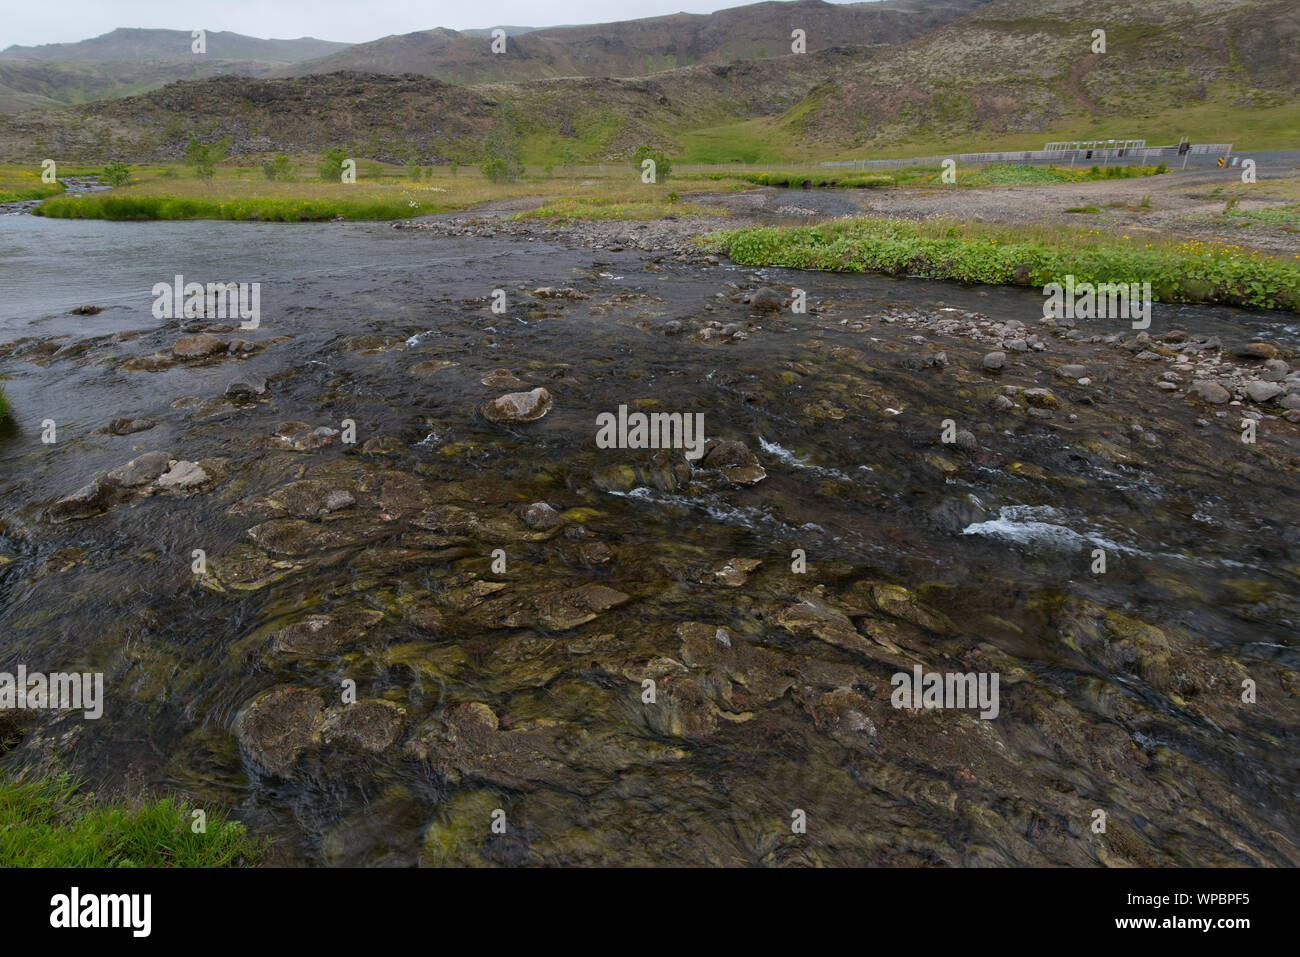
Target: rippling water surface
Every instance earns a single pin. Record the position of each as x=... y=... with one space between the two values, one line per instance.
x=523 y=689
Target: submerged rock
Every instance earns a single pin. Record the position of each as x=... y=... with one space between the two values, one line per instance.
x=197 y=347
x=320 y=636
x=90 y=499
x=767 y=299
x=278 y=725
x=250 y=385
x=1211 y=392
x=130 y=426
x=734 y=460
x=141 y=470
x=183 y=475
x=519 y=406
x=541 y=516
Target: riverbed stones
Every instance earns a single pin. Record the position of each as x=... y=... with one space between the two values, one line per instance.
x=519 y=406
x=182 y=475
x=734 y=460
x=1072 y=371
x=1263 y=391
x=128 y=426
x=141 y=470
x=540 y=515
x=503 y=379
x=198 y=347
x=994 y=361
x=1275 y=370
x=767 y=299
x=297 y=437
x=91 y=499
x=467 y=741
x=278 y=725
x=323 y=635
x=1041 y=399
x=431 y=366
x=1209 y=391
x=311 y=498
x=371 y=724
x=247 y=386
x=1256 y=350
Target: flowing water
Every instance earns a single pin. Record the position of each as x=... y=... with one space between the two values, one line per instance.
x=524 y=688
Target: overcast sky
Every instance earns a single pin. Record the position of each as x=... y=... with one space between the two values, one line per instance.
x=350 y=21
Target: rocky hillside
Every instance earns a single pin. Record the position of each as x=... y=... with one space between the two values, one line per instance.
x=1005 y=67
x=124 y=62
x=640 y=47
x=138 y=44
x=395 y=118
x=1027 y=65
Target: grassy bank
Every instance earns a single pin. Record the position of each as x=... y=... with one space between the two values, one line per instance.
x=17 y=183
x=572 y=208
x=382 y=191
x=54 y=822
x=1187 y=271
x=268 y=209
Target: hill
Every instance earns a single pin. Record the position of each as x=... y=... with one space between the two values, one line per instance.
x=126 y=61
x=642 y=47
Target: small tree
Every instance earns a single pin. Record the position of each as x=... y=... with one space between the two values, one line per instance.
x=116 y=174
x=500 y=163
x=569 y=159
x=204 y=157
x=331 y=165
x=663 y=165
x=276 y=168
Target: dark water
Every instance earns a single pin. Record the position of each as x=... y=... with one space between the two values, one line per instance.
x=1120 y=691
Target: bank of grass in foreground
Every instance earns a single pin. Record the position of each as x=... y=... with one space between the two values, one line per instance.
x=1179 y=271
x=54 y=822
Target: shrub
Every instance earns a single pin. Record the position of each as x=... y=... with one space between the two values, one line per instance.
x=204 y=157
x=116 y=174
x=276 y=168
x=663 y=165
x=330 y=167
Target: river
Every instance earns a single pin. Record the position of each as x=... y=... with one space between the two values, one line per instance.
x=373 y=565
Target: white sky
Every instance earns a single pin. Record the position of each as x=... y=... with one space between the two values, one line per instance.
x=349 y=21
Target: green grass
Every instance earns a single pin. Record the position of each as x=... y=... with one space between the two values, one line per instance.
x=4 y=403
x=268 y=209
x=1283 y=217
x=1186 y=271
x=829 y=179
x=570 y=208
x=55 y=822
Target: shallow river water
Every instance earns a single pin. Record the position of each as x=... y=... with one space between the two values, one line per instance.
x=767 y=620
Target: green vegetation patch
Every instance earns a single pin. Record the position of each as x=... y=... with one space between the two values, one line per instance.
x=571 y=208
x=1278 y=217
x=107 y=206
x=54 y=822
x=1188 y=271
x=811 y=180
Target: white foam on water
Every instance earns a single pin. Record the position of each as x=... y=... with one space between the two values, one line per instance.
x=1040 y=525
x=787 y=457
